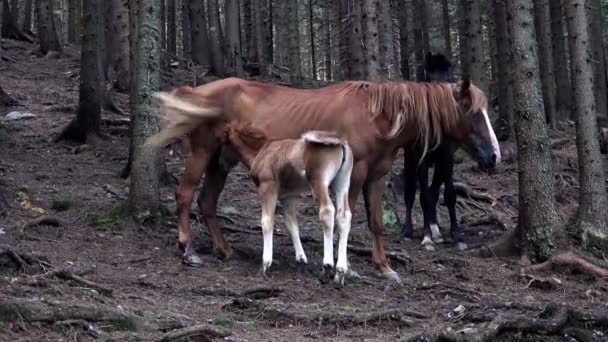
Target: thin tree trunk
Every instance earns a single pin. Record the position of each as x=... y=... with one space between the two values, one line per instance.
x=539 y=227
x=200 y=40
x=144 y=195
x=404 y=64
x=133 y=48
x=27 y=17
x=260 y=34
x=328 y=44
x=475 y=64
x=269 y=37
x=86 y=127
x=187 y=28
x=46 y=27
x=313 y=58
x=593 y=203
x=234 y=64
x=447 y=40
x=172 y=27
x=119 y=37
x=371 y=49
x=295 y=65
x=418 y=19
x=505 y=91
x=163 y=24
x=594 y=10
x=249 y=41
x=215 y=38
x=563 y=93
x=386 y=41
x=542 y=19
x=354 y=54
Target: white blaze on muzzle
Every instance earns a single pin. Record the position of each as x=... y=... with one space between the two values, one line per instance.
x=493 y=138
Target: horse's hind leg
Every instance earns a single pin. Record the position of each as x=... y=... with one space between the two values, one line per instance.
x=409 y=195
x=438 y=179
x=425 y=203
x=215 y=179
x=196 y=161
x=291 y=221
x=449 y=195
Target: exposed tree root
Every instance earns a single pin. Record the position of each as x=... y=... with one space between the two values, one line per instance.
x=6 y=100
x=43 y=220
x=560 y=321
x=319 y=317
x=23 y=261
x=67 y=275
x=489 y=219
x=399 y=257
x=206 y=331
x=27 y=310
x=466 y=191
x=253 y=293
x=569 y=260
x=506 y=246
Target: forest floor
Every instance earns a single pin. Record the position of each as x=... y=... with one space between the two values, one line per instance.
x=94 y=274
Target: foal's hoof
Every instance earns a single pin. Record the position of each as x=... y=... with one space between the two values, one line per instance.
x=392 y=276
x=265 y=267
x=427 y=243
x=326 y=274
x=190 y=258
x=350 y=273
x=301 y=266
x=339 y=278
x=461 y=246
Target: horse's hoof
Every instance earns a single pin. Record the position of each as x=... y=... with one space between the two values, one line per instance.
x=429 y=247
x=192 y=259
x=461 y=246
x=301 y=266
x=406 y=238
x=223 y=254
x=352 y=274
x=265 y=267
x=339 y=278
x=392 y=276
x=438 y=239
x=326 y=274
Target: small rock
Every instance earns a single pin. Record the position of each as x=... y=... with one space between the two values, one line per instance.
x=19 y=116
x=82 y=148
x=459 y=310
x=529 y=299
x=466 y=331
x=2 y=231
x=229 y=211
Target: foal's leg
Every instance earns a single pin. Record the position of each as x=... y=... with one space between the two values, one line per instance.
x=196 y=161
x=291 y=221
x=268 y=193
x=343 y=219
x=409 y=195
x=213 y=184
x=327 y=214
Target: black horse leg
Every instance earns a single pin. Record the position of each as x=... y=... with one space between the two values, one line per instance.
x=439 y=175
x=449 y=195
x=409 y=194
x=425 y=202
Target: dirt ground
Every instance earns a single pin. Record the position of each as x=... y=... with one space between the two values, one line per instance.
x=96 y=275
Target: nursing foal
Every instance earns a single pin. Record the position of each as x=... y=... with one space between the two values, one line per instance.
x=282 y=169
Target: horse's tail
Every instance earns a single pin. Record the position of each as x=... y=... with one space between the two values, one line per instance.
x=181 y=116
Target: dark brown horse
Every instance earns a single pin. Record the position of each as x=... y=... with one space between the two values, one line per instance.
x=438 y=69
x=376 y=118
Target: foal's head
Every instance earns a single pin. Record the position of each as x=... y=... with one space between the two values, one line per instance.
x=474 y=130
x=243 y=135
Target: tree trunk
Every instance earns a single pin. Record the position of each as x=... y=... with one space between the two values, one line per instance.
x=447 y=39
x=295 y=65
x=594 y=10
x=542 y=19
x=27 y=17
x=200 y=40
x=505 y=126
x=354 y=57
x=539 y=227
x=313 y=57
x=563 y=93
x=163 y=25
x=15 y=11
x=133 y=48
x=268 y=26
x=327 y=42
x=171 y=27
x=119 y=43
x=260 y=34
x=249 y=41
x=593 y=203
x=187 y=28
x=475 y=65
x=371 y=49
x=234 y=64
x=86 y=127
x=419 y=37
x=46 y=27
x=215 y=38
x=144 y=195
x=339 y=42
x=404 y=63
x=387 y=44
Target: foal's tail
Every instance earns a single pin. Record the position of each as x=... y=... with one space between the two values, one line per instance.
x=181 y=116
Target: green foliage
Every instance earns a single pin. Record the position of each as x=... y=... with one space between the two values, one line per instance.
x=389 y=216
x=116 y=216
x=224 y=322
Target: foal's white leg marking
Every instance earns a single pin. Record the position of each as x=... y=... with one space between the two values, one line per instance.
x=492 y=136
x=343 y=216
x=291 y=222
x=436 y=233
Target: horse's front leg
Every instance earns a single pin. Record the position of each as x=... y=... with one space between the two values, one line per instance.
x=215 y=178
x=439 y=176
x=449 y=195
x=196 y=161
x=409 y=195
x=372 y=195
x=425 y=203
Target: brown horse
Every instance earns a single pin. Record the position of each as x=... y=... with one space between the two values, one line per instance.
x=376 y=118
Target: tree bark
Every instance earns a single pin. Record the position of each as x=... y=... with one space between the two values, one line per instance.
x=200 y=40
x=49 y=41
x=354 y=58
x=475 y=65
x=563 y=93
x=234 y=63
x=163 y=24
x=215 y=37
x=371 y=49
x=387 y=44
x=27 y=17
x=327 y=42
x=260 y=34
x=338 y=41
x=311 y=26
x=539 y=229
x=447 y=39
x=542 y=19
x=419 y=38
x=404 y=63
x=172 y=27
x=295 y=65
x=505 y=90
x=119 y=38
x=144 y=195
x=133 y=48
x=187 y=28
x=86 y=127
x=249 y=41
x=593 y=203
x=594 y=10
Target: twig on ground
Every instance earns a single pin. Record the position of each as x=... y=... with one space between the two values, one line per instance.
x=253 y=293
x=43 y=220
x=208 y=331
x=399 y=257
x=467 y=192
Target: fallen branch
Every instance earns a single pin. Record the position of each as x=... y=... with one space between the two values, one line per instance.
x=571 y=260
x=207 y=331
x=254 y=293
x=466 y=191
x=43 y=220
x=399 y=257
x=67 y=275
x=22 y=260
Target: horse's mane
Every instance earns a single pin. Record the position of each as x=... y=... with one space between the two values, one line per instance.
x=431 y=108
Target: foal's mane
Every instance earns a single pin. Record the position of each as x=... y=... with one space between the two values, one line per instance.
x=430 y=108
